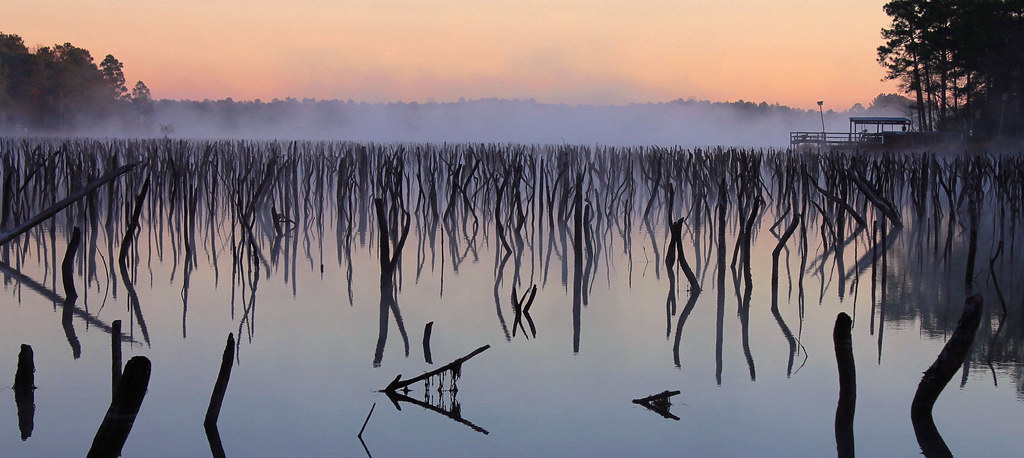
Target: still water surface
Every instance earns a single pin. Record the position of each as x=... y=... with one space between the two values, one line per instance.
x=611 y=322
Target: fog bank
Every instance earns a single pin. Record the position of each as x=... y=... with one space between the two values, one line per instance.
x=686 y=123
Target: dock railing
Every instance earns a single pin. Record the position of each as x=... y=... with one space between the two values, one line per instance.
x=834 y=139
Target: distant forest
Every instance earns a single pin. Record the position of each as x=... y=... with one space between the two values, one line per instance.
x=61 y=90
x=961 y=62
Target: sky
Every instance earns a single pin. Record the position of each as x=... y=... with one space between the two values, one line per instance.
x=793 y=52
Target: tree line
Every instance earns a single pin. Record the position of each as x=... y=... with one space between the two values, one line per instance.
x=960 y=61
x=61 y=88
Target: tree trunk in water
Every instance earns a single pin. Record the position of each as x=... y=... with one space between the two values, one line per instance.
x=843 y=342
x=939 y=374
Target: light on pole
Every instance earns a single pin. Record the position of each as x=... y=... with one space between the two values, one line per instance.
x=820 y=102
x=822 y=113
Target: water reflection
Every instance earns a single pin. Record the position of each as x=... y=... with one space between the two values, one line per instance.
x=445 y=401
x=388 y=266
x=923 y=224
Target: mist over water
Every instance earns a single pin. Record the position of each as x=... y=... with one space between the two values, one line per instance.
x=324 y=260
x=684 y=123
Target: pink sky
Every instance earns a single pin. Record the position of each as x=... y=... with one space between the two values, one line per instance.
x=593 y=52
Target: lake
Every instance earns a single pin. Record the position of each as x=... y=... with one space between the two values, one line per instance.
x=596 y=275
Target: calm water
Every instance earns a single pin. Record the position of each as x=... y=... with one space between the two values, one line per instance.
x=611 y=321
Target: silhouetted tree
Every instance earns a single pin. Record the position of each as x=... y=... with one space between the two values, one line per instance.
x=58 y=87
x=142 y=101
x=111 y=68
x=962 y=60
x=12 y=52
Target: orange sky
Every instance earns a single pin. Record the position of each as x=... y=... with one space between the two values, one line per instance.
x=587 y=51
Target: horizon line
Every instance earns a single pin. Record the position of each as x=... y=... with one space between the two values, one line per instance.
x=463 y=100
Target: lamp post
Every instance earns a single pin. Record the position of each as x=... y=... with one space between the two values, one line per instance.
x=822 y=113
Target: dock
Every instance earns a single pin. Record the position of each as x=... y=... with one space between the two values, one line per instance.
x=865 y=132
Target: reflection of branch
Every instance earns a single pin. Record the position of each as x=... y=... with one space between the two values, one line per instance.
x=455 y=367
x=360 y=435
x=67 y=267
x=69 y=330
x=388 y=264
x=939 y=374
x=133 y=225
x=690 y=303
x=520 y=309
x=133 y=301
x=217 y=398
x=677 y=241
x=213 y=437
x=577 y=281
x=67 y=271
x=48 y=293
x=122 y=260
x=396 y=397
x=26 y=405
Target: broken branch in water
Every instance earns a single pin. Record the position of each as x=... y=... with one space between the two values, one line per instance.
x=659 y=403
x=24 y=391
x=677 y=243
x=120 y=417
x=426 y=342
x=455 y=367
x=845 y=408
x=360 y=435
x=453 y=411
x=886 y=207
x=939 y=374
x=221 y=386
x=49 y=212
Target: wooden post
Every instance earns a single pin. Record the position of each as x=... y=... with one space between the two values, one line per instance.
x=120 y=417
